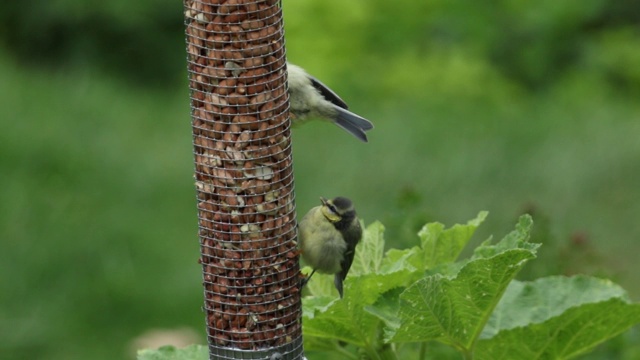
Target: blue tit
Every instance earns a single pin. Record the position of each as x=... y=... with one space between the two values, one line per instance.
x=328 y=237
x=309 y=98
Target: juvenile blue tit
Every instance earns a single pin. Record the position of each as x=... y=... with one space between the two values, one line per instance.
x=328 y=237
x=309 y=98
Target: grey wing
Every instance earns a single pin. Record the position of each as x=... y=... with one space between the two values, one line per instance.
x=352 y=237
x=327 y=93
x=345 y=265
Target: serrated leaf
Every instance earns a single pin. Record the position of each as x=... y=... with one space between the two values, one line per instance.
x=574 y=332
x=342 y=319
x=546 y=298
x=398 y=260
x=438 y=246
x=454 y=310
x=518 y=238
x=313 y=304
x=192 y=352
x=386 y=307
x=346 y=319
x=443 y=246
x=314 y=343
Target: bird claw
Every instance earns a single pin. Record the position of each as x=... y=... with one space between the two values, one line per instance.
x=305 y=279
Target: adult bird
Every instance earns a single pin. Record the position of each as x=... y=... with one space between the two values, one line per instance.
x=309 y=98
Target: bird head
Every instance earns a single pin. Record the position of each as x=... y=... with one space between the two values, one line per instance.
x=337 y=209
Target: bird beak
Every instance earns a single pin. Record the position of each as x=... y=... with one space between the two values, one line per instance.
x=327 y=212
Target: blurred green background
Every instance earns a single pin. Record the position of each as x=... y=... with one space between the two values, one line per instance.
x=506 y=106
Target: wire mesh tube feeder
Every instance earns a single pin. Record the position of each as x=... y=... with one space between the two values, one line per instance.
x=244 y=178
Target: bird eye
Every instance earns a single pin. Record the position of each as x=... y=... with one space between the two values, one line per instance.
x=332 y=208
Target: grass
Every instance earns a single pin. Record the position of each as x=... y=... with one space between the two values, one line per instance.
x=98 y=215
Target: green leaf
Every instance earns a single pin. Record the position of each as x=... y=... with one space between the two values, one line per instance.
x=348 y=319
x=192 y=352
x=386 y=307
x=518 y=238
x=438 y=247
x=546 y=298
x=556 y=317
x=313 y=303
x=574 y=332
x=341 y=319
x=313 y=343
x=320 y=285
x=454 y=310
x=399 y=260
x=369 y=251
x=443 y=246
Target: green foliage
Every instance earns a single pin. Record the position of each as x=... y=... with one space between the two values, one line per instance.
x=193 y=352
x=423 y=295
x=475 y=106
x=563 y=318
x=532 y=43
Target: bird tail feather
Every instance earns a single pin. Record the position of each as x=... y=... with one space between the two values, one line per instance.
x=352 y=123
x=337 y=281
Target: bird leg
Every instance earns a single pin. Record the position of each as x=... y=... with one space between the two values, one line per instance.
x=306 y=280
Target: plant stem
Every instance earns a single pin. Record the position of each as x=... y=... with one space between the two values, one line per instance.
x=388 y=353
x=345 y=352
x=423 y=350
x=372 y=353
x=467 y=354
